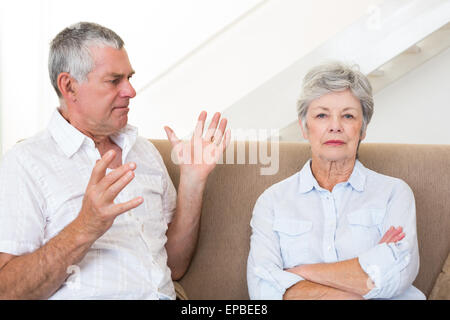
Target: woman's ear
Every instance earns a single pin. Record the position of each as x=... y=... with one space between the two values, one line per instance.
x=304 y=130
x=67 y=85
x=363 y=135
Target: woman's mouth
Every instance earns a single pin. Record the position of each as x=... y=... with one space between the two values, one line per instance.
x=334 y=142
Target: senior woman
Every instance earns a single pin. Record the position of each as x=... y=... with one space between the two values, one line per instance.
x=335 y=229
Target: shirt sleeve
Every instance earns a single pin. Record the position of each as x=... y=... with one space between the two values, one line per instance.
x=266 y=278
x=393 y=267
x=22 y=221
x=169 y=197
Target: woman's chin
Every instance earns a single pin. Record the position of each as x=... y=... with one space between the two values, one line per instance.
x=337 y=156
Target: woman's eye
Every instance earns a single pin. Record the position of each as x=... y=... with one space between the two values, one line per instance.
x=321 y=115
x=348 y=116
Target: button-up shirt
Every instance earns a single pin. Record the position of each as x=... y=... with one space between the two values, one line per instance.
x=42 y=184
x=297 y=222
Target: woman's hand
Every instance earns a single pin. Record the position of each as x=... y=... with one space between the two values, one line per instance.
x=393 y=235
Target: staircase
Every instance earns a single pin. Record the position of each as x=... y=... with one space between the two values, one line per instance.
x=252 y=72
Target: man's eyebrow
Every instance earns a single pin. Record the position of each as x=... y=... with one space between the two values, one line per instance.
x=120 y=75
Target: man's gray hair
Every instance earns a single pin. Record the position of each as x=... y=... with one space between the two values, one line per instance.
x=335 y=77
x=70 y=50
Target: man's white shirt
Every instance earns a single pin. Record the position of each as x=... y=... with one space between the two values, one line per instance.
x=42 y=184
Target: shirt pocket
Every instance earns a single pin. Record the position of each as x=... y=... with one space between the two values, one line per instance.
x=150 y=188
x=365 y=227
x=295 y=240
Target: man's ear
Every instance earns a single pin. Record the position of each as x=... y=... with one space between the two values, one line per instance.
x=304 y=130
x=67 y=85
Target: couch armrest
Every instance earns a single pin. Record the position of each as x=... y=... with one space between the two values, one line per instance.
x=179 y=291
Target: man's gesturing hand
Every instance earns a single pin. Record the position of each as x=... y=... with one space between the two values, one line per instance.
x=99 y=210
x=198 y=157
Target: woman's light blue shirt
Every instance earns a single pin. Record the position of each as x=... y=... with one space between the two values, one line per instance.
x=297 y=222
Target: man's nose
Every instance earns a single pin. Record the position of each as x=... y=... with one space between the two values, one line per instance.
x=127 y=91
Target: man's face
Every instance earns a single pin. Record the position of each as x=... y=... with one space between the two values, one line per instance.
x=101 y=104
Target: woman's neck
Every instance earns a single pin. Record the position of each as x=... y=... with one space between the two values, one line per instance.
x=330 y=173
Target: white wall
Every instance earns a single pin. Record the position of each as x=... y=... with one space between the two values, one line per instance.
x=157 y=33
x=244 y=57
x=368 y=44
x=416 y=108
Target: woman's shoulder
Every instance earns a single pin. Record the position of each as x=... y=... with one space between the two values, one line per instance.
x=379 y=180
x=282 y=188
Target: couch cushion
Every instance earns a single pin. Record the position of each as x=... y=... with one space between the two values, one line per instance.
x=441 y=289
x=218 y=269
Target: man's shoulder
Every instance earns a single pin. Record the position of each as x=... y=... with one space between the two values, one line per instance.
x=145 y=145
x=147 y=152
x=34 y=146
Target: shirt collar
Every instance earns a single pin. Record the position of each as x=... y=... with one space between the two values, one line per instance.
x=358 y=177
x=125 y=138
x=70 y=140
x=307 y=181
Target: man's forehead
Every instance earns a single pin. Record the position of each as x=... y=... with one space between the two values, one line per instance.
x=111 y=61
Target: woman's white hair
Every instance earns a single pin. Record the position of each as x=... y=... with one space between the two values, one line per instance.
x=70 y=50
x=335 y=77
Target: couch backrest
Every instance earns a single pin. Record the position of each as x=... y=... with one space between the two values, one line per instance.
x=218 y=269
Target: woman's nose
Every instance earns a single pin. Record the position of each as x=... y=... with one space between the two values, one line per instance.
x=335 y=125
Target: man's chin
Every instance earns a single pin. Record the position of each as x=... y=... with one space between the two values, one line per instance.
x=121 y=122
x=124 y=122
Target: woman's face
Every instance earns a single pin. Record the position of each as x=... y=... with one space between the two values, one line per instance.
x=333 y=126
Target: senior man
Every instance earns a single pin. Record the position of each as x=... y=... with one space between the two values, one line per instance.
x=87 y=208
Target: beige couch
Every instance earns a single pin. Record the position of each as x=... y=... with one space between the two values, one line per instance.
x=218 y=269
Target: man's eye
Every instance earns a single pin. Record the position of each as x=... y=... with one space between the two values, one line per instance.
x=115 y=81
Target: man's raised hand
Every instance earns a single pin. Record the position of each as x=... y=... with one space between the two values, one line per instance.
x=198 y=157
x=99 y=210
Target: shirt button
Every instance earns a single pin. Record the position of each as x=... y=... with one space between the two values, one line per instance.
x=329 y=248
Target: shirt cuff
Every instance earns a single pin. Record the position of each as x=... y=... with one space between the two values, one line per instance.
x=383 y=264
x=279 y=279
x=285 y=279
